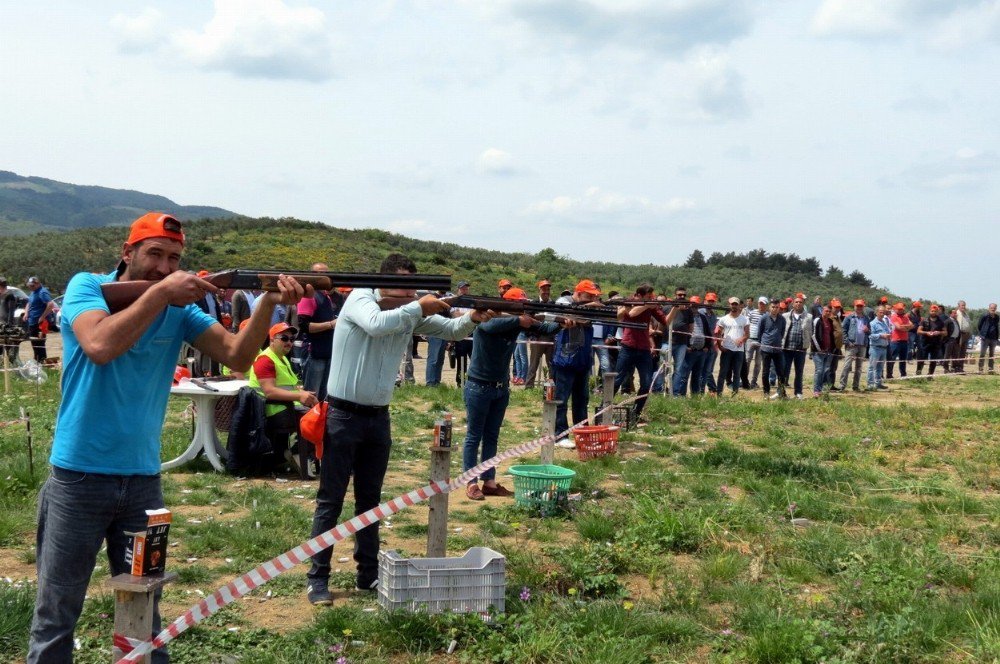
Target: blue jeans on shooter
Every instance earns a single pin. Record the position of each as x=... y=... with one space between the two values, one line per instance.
x=693 y=369
x=898 y=350
x=315 y=376
x=730 y=366
x=77 y=513
x=435 y=360
x=355 y=444
x=571 y=384
x=824 y=365
x=678 y=387
x=876 y=362
x=642 y=361
x=485 y=406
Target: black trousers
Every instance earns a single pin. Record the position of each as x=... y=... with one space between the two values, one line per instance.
x=37 y=343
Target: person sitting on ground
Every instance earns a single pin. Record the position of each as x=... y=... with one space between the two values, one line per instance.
x=272 y=375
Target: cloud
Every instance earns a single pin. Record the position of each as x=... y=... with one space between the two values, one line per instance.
x=597 y=206
x=719 y=93
x=140 y=33
x=949 y=24
x=668 y=27
x=261 y=39
x=966 y=169
x=494 y=161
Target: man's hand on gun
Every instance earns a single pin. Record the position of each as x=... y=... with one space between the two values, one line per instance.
x=290 y=291
x=183 y=288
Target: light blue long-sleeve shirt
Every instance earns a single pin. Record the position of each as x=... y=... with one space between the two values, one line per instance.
x=368 y=345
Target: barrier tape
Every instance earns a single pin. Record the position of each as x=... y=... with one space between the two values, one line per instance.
x=263 y=573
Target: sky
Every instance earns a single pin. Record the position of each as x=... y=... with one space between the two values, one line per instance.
x=863 y=133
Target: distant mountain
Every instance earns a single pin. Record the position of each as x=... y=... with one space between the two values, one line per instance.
x=32 y=204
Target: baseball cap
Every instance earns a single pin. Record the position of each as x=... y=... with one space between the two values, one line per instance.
x=734 y=300
x=801 y=296
x=544 y=282
x=935 y=307
x=504 y=282
x=835 y=303
x=918 y=305
x=462 y=284
x=763 y=299
x=883 y=300
x=155 y=224
x=587 y=286
x=515 y=294
x=711 y=297
x=783 y=305
x=899 y=306
x=203 y=273
x=859 y=302
x=694 y=299
x=278 y=328
x=32 y=280
x=344 y=289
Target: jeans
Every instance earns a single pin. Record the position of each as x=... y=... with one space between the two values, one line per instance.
x=355 y=444
x=876 y=361
x=991 y=344
x=693 y=368
x=898 y=351
x=485 y=406
x=708 y=380
x=575 y=384
x=797 y=359
x=435 y=360
x=777 y=359
x=642 y=361
x=521 y=357
x=934 y=354
x=730 y=368
x=316 y=375
x=77 y=513
x=753 y=359
x=678 y=387
x=824 y=363
x=853 y=356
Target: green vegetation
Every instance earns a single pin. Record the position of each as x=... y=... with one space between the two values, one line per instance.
x=680 y=549
x=218 y=244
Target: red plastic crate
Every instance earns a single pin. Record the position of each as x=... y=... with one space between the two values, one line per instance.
x=593 y=442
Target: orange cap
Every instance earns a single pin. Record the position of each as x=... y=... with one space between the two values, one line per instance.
x=278 y=328
x=504 y=282
x=544 y=282
x=694 y=299
x=783 y=306
x=244 y=323
x=711 y=297
x=155 y=224
x=899 y=306
x=883 y=300
x=344 y=289
x=801 y=296
x=935 y=307
x=835 y=303
x=859 y=302
x=203 y=273
x=587 y=286
x=918 y=305
x=515 y=294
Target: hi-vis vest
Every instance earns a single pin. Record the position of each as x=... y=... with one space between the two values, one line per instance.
x=285 y=379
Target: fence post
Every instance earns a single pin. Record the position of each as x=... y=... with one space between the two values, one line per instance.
x=437 y=519
x=134 y=607
x=548 y=453
x=607 y=396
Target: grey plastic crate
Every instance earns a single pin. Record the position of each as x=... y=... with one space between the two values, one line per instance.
x=473 y=583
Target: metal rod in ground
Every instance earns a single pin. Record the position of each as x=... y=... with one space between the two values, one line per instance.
x=31 y=455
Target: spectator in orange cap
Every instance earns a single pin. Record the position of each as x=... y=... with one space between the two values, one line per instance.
x=504 y=285
x=708 y=376
x=539 y=343
x=572 y=359
x=899 y=339
x=636 y=351
x=856 y=330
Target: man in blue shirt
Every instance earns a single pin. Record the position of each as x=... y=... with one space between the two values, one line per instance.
x=40 y=305
x=856 y=331
x=106 y=450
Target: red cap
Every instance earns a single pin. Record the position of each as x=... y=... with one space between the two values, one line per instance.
x=155 y=224
x=694 y=299
x=859 y=302
x=544 y=282
x=788 y=300
x=344 y=289
x=711 y=297
x=504 y=282
x=899 y=306
x=783 y=306
x=935 y=307
x=587 y=286
x=801 y=296
x=278 y=328
x=835 y=303
x=203 y=273
x=515 y=294
x=883 y=300
x=918 y=305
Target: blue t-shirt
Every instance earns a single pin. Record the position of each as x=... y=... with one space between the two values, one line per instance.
x=36 y=304
x=111 y=415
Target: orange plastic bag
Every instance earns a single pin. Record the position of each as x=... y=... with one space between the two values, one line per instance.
x=312 y=426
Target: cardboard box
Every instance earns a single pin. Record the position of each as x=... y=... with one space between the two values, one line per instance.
x=146 y=552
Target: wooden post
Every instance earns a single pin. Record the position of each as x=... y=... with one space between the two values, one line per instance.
x=134 y=607
x=607 y=396
x=6 y=372
x=548 y=453
x=437 y=519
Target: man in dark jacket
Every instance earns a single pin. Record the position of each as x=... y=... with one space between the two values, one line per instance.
x=989 y=331
x=934 y=332
x=770 y=332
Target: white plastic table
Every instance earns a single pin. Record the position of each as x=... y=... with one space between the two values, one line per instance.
x=205 y=437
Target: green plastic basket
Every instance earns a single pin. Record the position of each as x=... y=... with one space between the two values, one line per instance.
x=545 y=487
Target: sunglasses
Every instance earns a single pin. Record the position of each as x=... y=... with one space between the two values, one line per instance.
x=285 y=338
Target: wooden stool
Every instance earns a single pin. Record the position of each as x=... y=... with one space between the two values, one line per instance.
x=134 y=607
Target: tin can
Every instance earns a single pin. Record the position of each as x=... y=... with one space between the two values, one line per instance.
x=550 y=390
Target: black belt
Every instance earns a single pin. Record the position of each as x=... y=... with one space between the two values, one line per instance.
x=488 y=383
x=360 y=409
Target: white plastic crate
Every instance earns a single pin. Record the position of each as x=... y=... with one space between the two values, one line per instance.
x=473 y=583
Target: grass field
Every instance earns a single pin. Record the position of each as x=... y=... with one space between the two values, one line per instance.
x=848 y=529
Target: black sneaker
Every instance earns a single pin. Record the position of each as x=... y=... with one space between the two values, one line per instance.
x=367 y=584
x=318 y=593
x=882 y=387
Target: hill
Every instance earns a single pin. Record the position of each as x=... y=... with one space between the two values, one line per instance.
x=216 y=244
x=32 y=204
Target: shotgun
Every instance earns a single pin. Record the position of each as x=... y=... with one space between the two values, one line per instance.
x=664 y=303
x=120 y=294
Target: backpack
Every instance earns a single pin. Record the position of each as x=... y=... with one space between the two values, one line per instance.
x=250 y=450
